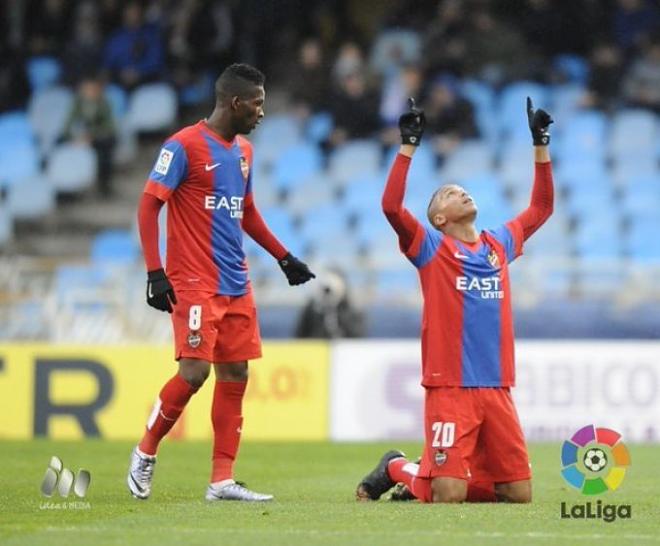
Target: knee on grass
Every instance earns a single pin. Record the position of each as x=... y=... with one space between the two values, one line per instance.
x=448 y=490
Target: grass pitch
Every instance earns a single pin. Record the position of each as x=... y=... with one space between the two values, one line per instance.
x=314 y=485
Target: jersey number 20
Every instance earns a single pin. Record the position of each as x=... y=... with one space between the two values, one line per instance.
x=443 y=434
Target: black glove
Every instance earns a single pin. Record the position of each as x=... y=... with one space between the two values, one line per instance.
x=160 y=294
x=411 y=124
x=296 y=271
x=539 y=121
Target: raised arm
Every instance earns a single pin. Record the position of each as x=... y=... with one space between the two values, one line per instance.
x=399 y=217
x=411 y=126
x=541 y=204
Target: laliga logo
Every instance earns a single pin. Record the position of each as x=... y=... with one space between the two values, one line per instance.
x=594 y=461
x=62 y=478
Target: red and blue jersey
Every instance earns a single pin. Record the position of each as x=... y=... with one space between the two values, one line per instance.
x=467 y=325
x=206 y=182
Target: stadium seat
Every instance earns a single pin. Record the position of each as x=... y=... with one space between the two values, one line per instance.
x=591 y=198
x=574 y=68
x=642 y=243
x=516 y=166
x=599 y=237
x=152 y=107
x=510 y=111
x=470 y=158
x=115 y=247
x=322 y=222
x=482 y=97
x=72 y=167
x=6 y=226
x=642 y=196
x=355 y=158
x=280 y=223
x=566 y=99
x=363 y=191
x=275 y=134
x=295 y=164
x=318 y=127
x=43 y=72
x=422 y=173
x=583 y=135
x=17 y=160
x=625 y=170
x=49 y=111
x=634 y=133
x=31 y=198
x=582 y=171
x=15 y=127
x=315 y=190
x=126 y=149
x=118 y=100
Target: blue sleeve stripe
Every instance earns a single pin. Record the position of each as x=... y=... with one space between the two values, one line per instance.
x=171 y=166
x=428 y=248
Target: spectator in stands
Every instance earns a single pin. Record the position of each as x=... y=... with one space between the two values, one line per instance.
x=48 y=25
x=350 y=59
x=134 y=54
x=632 y=19
x=606 y=66
x=496 y=51
x=396 y=90
x=641 y=85
x=354 y=109
x=14 y=84
x=444 y=46
x=329 y=313
x=82 y=54
x=449 y=117
x=91 y=122
x=309 y=86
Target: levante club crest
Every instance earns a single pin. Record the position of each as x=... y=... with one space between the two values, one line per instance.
x=245 y=168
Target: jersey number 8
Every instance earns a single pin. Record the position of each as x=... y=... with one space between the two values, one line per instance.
x=195 y=317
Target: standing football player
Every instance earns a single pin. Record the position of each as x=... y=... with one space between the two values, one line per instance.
x=204 y=173
x=474 y=446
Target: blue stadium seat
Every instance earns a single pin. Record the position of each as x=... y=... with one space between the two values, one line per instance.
x=642 y=243
x=71 y=278
x=49 y=111
x=566 y=101
x=72 y=167
x=6 y=226
x=595 y=198
x=152 y=107
x=552 y=240
x=363 y=191
x=470 y=158
x=510 y=111
x=114 y=246
x=516 y=168
x=642 y=196
x=397 y=283
x=573 y=68
x=31 y=198
x=599 y=237
x=17 y=160
x=314 y=191
x=634 y=133
x=275 y=133
x=43 y=72
x=487 y=191
x=355 y=158
x=626 y=170
x=582 y=171
x=583 y=135
x=295 y=164
x=323 y=221
x=422 y=172
x=318 y=127
x=118 y=100
x=15 y=127
x=280 y=223
x=482 y=97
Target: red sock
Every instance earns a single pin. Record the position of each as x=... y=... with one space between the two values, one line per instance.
x=172 y=399
x=227 y=418
x=401 y=470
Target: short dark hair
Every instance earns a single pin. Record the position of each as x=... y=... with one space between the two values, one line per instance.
x=237 y=80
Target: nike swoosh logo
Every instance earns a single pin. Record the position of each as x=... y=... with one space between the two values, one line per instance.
x=150 y=291
x=208 y=167
x=460 y=256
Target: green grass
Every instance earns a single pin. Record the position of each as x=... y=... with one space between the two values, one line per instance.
x=314 y=486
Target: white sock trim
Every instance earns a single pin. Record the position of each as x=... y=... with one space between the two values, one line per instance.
x=222 y=483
